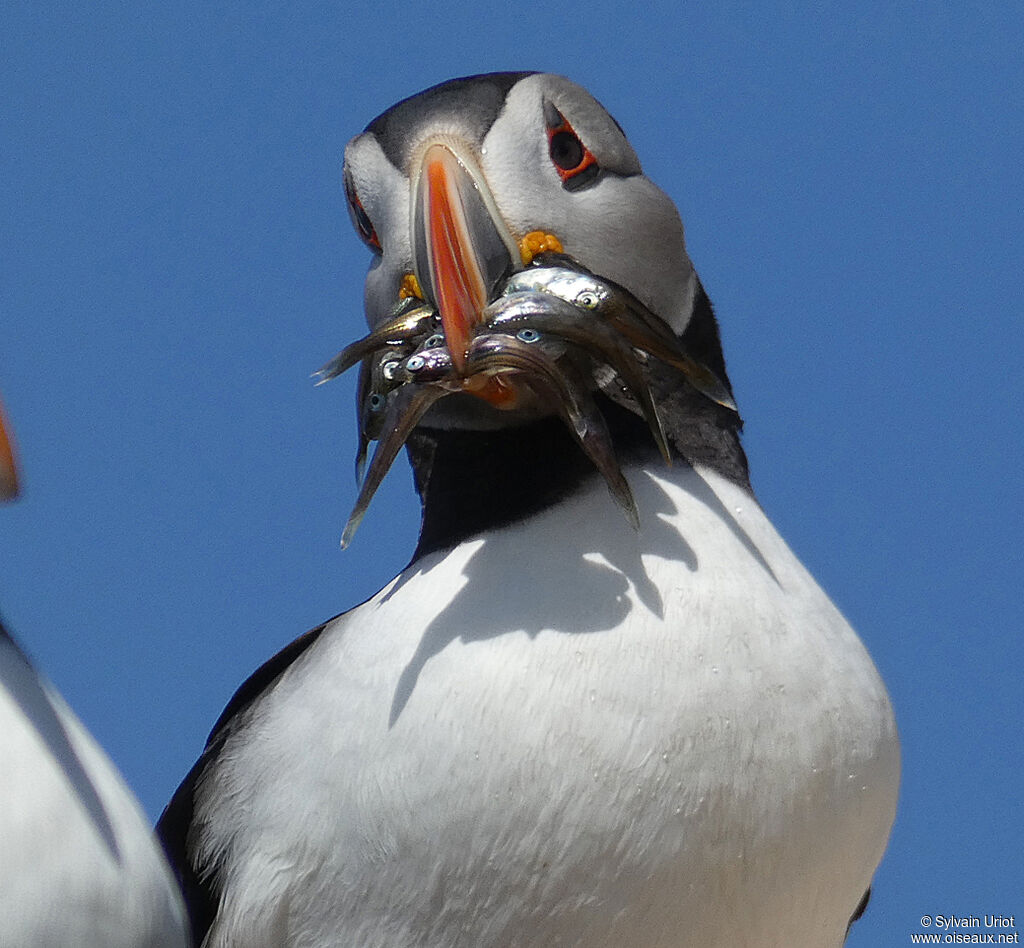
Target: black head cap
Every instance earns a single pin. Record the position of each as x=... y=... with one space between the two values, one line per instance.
x=478 y=99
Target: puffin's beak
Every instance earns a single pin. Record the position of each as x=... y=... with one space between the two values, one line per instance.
x=462 y=250
x=8 y=469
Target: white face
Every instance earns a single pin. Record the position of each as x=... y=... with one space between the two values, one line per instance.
x=615 y=222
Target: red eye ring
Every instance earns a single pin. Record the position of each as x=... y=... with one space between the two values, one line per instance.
x=360 y=219
x=574 y=162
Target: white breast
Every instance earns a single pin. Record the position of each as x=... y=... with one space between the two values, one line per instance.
x=568 y=734
x=78 y=862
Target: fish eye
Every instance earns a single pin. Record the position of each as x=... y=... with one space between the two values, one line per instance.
x=528 y=335
x=376 y=401
x=360 y=219
x=587 y=299
x=433 y=341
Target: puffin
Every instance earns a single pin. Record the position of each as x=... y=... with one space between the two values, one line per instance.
x=80 y=864
x=604 y=705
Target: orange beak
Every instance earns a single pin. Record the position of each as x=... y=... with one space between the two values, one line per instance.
x=8 y=469
x=462 y=249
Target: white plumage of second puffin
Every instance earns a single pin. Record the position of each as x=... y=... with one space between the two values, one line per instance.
x=79 y=865
x=551 y=728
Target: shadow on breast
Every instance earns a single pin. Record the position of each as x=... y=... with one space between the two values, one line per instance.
x=568 y=570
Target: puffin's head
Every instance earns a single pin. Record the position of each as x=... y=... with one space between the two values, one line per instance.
x=459 y=185
x=522 y=257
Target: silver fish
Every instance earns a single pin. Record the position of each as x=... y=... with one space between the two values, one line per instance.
x=430 y=362
x=540 y=336
x=377 y=380
x=552 y=314
x=556 y=380
x=541 y=362
x=627 y=314
x=409 y=319
x=405 y=409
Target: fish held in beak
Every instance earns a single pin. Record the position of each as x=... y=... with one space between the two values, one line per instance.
x=378 y=378
x=550 y=314
x=404 y=412
x=550 y=372
x=409 y=320
x=555 y=334
x=561 y=276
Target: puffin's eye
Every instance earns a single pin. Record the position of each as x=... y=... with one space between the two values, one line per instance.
x=574 y=162
x=566 y=151
x=360 y=219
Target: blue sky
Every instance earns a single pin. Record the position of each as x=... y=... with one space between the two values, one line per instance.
x=176 y=259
